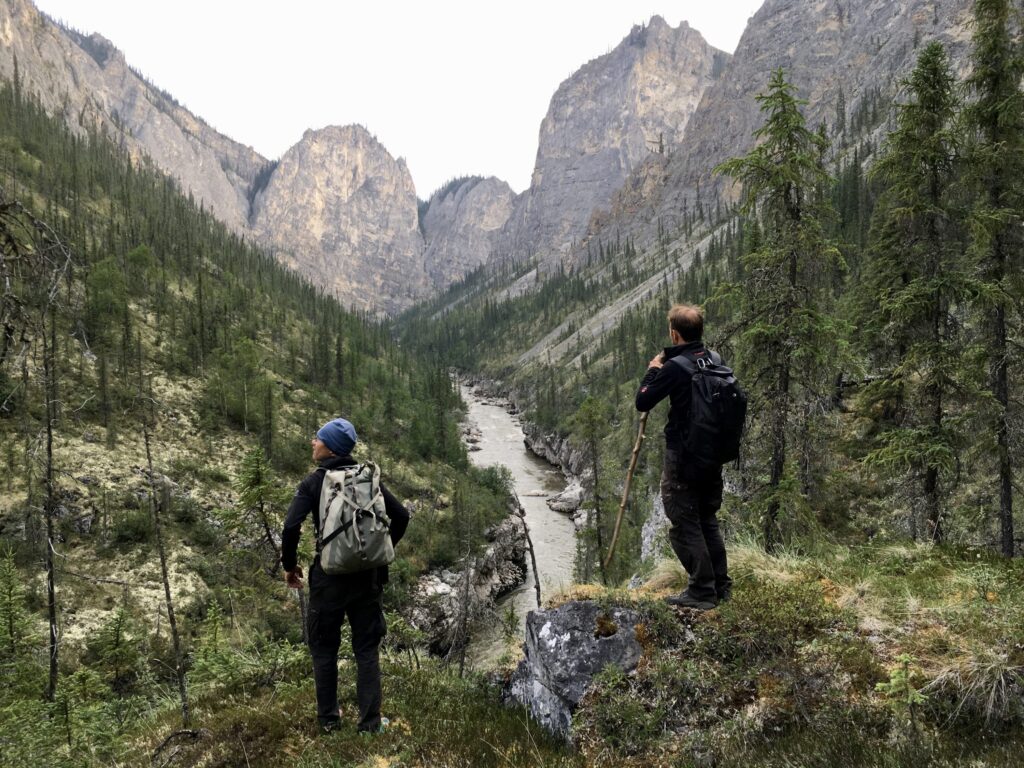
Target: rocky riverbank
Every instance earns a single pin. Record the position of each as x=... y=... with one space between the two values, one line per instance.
x=447 y=602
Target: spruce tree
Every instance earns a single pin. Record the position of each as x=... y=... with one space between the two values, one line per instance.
x=788 y=341
x=917 y=282
x=14 y=616
x=591 y=422
x=256 y=501
x=995 y=124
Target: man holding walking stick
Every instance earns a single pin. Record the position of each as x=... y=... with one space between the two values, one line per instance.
x=705 y=420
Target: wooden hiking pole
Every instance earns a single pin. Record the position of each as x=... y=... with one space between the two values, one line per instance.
x=625 y=491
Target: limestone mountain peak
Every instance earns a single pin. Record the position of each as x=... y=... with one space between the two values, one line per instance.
x=603 y=122
x=462 y=224
x=342 y=211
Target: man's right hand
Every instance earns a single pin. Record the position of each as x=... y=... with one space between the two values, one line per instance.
x=294 y=578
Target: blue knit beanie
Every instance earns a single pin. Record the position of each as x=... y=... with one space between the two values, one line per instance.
x=338 y=435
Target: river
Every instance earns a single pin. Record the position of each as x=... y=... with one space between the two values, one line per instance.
x=553 y=533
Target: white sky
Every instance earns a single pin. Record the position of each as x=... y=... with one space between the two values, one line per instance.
x=456 y=87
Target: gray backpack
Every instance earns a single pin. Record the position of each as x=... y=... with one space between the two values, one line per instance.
x=354 y=530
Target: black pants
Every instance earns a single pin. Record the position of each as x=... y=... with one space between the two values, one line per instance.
x=331 y=599
x=692 y=500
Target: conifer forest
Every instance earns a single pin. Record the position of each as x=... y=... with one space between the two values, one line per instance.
x=161 y=376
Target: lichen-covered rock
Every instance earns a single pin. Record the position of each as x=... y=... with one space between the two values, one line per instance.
x=565 y=647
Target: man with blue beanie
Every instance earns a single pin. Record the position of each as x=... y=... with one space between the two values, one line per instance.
x=332 y=598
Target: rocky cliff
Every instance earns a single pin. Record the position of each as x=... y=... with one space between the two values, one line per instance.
x=443 y=598
x=602 y=123
x=461 y=226
x=87 y=80
x=342 y=211
x=845 y=57
x=338 y=208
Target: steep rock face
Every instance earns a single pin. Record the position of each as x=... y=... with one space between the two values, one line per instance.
x=835 y=52
x=601 y=124
x=441 y=598
x=87 y=80
x=461 y=225
x=555 y=449
x=342 y=211
x=565 y=647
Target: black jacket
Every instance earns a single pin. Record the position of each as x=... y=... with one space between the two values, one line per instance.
x=673 y=382
x=307 y=499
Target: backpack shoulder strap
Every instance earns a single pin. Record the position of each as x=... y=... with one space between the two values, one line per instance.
x=684 y=362
x=691 y=366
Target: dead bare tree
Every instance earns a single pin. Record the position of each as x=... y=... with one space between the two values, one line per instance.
x=147 y=407
x=34 y=265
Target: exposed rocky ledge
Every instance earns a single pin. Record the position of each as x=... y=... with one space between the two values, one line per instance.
x=439 y=596
x=654 y=534
x=565 y=647
x=554 y=448
x=569 y=500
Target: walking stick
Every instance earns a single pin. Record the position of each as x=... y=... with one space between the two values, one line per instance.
x=625 y=491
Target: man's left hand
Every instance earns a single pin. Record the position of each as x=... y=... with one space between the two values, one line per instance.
x=657 y=361
x=294 y=578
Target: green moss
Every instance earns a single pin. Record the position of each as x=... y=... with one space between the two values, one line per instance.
x=437 y=719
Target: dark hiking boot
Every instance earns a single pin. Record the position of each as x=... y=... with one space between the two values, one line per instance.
x=686 y=600
x=384 y=724
x=725 y=595
x=328 y=727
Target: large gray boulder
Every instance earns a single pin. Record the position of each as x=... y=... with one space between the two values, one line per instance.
x=565 y=647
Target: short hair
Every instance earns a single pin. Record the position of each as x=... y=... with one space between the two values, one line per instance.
x=688 y=321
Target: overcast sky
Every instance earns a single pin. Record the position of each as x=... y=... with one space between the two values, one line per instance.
x=455 y=87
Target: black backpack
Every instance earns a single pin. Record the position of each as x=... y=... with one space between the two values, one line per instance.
x=718 y=410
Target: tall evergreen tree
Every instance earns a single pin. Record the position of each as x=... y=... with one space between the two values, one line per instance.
x=788 y=342
x=995 y=124
x=256 y=501
x=918 y=280
x=592 y=420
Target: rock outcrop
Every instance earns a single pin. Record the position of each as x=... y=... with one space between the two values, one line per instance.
x=654 y=533
x=554 y=448
x=87 y=81
x=569 y=500
x=565 y=647
x=342 y=211
x=602 y=123
x=442 y=598
x=461 y=226
x=846 y=58
x=337 y=208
